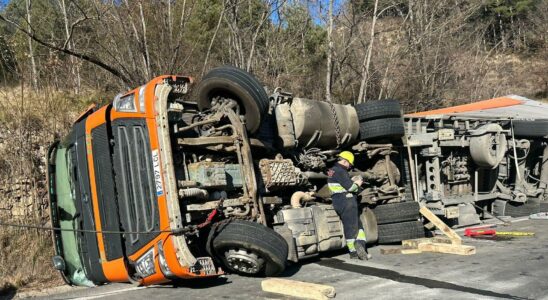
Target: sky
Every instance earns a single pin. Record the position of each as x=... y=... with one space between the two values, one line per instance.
x=315 y=7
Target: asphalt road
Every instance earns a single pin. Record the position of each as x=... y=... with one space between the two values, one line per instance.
x=502 y=269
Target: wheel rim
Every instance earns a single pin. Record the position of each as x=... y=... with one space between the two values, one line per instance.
x=244 y=261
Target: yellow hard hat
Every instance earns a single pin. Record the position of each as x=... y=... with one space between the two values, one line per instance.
x=348 y=156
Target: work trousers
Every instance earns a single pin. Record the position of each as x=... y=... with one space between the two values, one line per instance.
x=347 y=209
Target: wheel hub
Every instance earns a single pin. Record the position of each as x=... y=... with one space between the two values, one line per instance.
x=219 y=101
x=244 y=261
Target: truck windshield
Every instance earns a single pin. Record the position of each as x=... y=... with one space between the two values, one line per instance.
x=67 y=215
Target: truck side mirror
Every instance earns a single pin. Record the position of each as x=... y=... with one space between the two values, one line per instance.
x=59 y=263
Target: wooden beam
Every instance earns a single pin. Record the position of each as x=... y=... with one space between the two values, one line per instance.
x=447 y=248
x=455 y=238
x=299 y=289
x=415 y=242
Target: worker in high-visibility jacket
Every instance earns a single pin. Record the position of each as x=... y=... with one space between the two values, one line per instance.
x=343 y=193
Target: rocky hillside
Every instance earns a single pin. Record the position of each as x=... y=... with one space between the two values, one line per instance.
x=29 y=122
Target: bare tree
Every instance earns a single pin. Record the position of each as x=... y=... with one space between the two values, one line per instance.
x=74 y=68
x=328 y=75
x=244 y=35
x=146 y=54
x=367 y=58
x=34 y=73
x=64 y=48
x=219 y=22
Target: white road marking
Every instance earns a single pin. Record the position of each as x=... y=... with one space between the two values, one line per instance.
x=112 y=293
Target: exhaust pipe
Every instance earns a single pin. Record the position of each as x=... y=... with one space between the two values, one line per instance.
x=297 y=197
x=193 y=192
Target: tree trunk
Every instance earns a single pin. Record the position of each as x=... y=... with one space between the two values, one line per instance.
x=213 y=38
x=329 y=53
x=34 y=73
x=264 y=16
x=145 y=44
x=367 y=58
x=74 y=69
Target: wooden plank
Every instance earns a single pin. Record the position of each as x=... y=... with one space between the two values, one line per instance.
x=455 y=238
x=298 y=289
x=447 y=248
x=414 y=243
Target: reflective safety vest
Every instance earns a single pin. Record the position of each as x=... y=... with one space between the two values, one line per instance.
x=339 y=180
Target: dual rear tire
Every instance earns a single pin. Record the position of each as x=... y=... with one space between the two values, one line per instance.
x=380 y=119
x=392 y=223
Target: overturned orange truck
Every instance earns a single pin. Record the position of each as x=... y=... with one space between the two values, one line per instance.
x=164 y=184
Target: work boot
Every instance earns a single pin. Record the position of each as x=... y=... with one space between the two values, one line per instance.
x=364 y=243
x=361 y=250
x=353 y=255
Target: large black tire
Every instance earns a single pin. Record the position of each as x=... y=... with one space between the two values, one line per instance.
x=238 y=85
x=369 y=222
x=378 y=109
x=253 y=238
x=382 y=128
x=397 y=212
x=537 y=128
x=397 y=232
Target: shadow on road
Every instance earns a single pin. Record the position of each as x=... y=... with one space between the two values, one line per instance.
x=8 y=293
x=199 y=283
x=395 y=276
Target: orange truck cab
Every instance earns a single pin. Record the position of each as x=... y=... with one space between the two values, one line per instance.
x=109 y=195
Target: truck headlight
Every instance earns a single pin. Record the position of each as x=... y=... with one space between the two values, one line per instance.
x=125 y=103
x=142 y=99
x=163 y=262
x=145 y=265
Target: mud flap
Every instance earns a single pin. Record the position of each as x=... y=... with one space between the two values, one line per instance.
x=499 y=207
x=287 y=234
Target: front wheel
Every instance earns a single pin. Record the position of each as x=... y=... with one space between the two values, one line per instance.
x=251 y=249
x=231 y=83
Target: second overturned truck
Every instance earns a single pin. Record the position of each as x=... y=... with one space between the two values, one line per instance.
x=161 y=185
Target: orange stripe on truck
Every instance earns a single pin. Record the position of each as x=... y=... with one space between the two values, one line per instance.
x=480 y=105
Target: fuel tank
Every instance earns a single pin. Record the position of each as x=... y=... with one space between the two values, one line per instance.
x=314 y=229
x=314 y=124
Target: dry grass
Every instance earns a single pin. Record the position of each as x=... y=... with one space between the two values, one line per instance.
x=25 y=257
